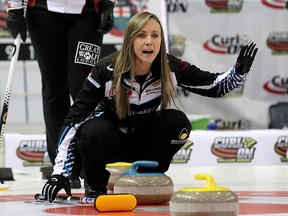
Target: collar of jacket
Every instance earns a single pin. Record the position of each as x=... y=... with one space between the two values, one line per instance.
x=127 y=82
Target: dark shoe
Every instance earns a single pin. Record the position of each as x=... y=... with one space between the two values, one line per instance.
x=75 y=182
x=94 y=191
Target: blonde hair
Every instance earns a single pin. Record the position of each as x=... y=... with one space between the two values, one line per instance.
x=125 y=62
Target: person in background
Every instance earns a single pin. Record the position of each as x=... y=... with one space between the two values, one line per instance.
x=67 y=38
x=123 y=112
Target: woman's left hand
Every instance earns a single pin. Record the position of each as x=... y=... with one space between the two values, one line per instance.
x=246 y=58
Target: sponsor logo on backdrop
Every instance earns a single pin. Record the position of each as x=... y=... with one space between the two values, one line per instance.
x=220 y=44
x=177 y=45
x=277 y=85
x=33 y=153
x=224 y=6
x=278 y=43
x=241 y=124
x=234 y=149
x=123 y=11
x=176 y=6
x=281 y=147
x=276 y=4
x=183 y=155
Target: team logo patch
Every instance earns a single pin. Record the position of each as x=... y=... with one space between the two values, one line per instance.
x=182 y=137
x=112 y=92
x=183 y=134
x=87 y=53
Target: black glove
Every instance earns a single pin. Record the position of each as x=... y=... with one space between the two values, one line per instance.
x=106 y=16
x=246 y=58
x=54 y=184
x=16 y=23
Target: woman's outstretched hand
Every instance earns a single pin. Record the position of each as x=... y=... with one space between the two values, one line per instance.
x=246 y=58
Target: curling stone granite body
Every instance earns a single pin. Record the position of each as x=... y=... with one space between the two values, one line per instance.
x=148 y=188
x=211 y=200
x=116 y=170
x=4 y=186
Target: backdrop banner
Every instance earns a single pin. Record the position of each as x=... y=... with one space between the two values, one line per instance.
x=207 y=33
x=205 y=148
x=210 y=35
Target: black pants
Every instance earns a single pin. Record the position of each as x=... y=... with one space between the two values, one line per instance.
x=63 y=46
x=158 y=139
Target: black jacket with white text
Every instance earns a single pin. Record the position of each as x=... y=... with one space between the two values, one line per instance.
x=96 y=98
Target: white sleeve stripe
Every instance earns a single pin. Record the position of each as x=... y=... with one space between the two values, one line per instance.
x=96 y=84
x=230 y=77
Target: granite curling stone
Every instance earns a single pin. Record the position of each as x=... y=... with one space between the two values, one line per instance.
x=4 y=185
x=210 y=200
x=116 y=170
x=149 y=188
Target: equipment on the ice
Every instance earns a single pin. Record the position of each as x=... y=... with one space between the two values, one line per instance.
x=148 y=187
x=116 y=170
x=102 y=203
x=210 y=200
x=17 y=33
x=4 y=185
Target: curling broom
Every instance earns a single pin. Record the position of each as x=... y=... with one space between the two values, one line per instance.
x=103 y=203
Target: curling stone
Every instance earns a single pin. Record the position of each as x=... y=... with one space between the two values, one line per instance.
x=116 y=170
x=4 y=186
x=148 y=188
x=210 y=200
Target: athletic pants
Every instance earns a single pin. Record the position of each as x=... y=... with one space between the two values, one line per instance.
x=59 y=42
x=157 y=139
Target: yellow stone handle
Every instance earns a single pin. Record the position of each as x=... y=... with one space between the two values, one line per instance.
x=209 y=187
x=117 y=164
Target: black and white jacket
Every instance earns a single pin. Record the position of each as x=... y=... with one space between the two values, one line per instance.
x=96 y=98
